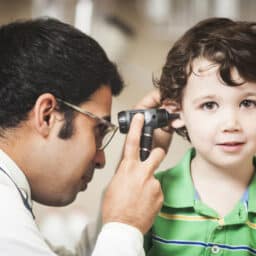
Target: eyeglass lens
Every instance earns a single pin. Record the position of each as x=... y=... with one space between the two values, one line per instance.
x=104 y=136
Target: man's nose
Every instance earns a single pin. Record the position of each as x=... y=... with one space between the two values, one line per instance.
x=100 y=159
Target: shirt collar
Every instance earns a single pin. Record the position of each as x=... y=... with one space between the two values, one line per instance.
x=182 y=192
x=16 y=174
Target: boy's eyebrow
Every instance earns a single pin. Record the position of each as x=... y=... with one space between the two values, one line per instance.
x=205 y=97
x=214 y=97
x=250 y=94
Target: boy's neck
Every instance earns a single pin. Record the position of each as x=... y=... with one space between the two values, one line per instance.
x=220 y=188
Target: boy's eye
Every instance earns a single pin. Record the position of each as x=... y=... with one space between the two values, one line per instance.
x=248 y=103
x=211 y=105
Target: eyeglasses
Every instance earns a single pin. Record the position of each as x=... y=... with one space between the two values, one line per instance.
x=105 y=130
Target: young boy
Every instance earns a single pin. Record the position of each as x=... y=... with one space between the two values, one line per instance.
x=210 y=196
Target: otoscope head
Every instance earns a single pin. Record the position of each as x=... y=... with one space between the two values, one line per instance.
x=154 y=118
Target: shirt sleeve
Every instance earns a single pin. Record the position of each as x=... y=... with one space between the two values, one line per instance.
x=19 y=234
x=86 y=244
x=117 y=239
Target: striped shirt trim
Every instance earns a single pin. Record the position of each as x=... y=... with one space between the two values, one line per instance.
x=251 y=225
x=186 y=217
x=199 y=218
x=205 y=245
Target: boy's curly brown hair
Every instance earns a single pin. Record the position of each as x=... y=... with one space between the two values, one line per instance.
x=223 y=42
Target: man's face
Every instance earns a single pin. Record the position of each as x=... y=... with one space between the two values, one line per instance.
x=69 y=164
x=220 y=118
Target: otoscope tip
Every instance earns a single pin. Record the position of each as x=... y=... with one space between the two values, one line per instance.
x=173 y=116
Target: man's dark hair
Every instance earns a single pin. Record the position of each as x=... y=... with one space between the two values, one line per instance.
x=48 y=56
x=224 y=42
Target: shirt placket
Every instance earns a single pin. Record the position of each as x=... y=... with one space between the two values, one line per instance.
x=217 y=238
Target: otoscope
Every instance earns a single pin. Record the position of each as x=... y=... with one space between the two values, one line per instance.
x=153 y=118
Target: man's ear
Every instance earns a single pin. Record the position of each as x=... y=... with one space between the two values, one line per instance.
x=175 y=107
x=44 y=113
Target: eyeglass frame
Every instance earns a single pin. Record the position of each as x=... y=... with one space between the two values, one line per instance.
x=110 y=126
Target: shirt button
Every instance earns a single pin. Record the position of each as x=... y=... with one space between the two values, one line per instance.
x=215 y=249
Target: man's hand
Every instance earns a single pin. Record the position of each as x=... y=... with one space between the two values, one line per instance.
x=134 y=196
x=162 y=137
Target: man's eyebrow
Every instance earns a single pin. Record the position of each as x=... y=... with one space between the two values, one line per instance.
x=107 y=118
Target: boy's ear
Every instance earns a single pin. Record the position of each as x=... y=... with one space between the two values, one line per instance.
x=175 y=107
x=44 y=113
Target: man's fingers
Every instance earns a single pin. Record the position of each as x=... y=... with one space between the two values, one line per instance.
x=151 y=100
x=155 y=158
x=132 y=144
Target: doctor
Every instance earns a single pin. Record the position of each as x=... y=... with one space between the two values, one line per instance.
x=56 y=88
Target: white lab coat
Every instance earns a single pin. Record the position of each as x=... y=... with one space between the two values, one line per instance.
x=19 y=234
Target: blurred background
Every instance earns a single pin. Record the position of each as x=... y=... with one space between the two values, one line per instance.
x=136 y=34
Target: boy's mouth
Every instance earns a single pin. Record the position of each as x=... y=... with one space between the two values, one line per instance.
x=230 y=144
x=233 y=146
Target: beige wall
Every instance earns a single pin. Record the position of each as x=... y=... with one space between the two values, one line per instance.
x=12 y=10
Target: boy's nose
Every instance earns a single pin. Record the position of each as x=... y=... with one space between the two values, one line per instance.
x=231 y=123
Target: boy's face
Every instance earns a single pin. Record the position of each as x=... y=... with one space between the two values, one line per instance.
x=220 y=119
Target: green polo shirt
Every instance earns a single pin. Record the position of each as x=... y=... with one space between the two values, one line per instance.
x=186 y=226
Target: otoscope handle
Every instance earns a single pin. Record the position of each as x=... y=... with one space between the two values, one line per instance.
x=146 y=142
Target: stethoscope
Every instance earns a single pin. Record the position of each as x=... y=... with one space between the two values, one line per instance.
x=24 y=199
